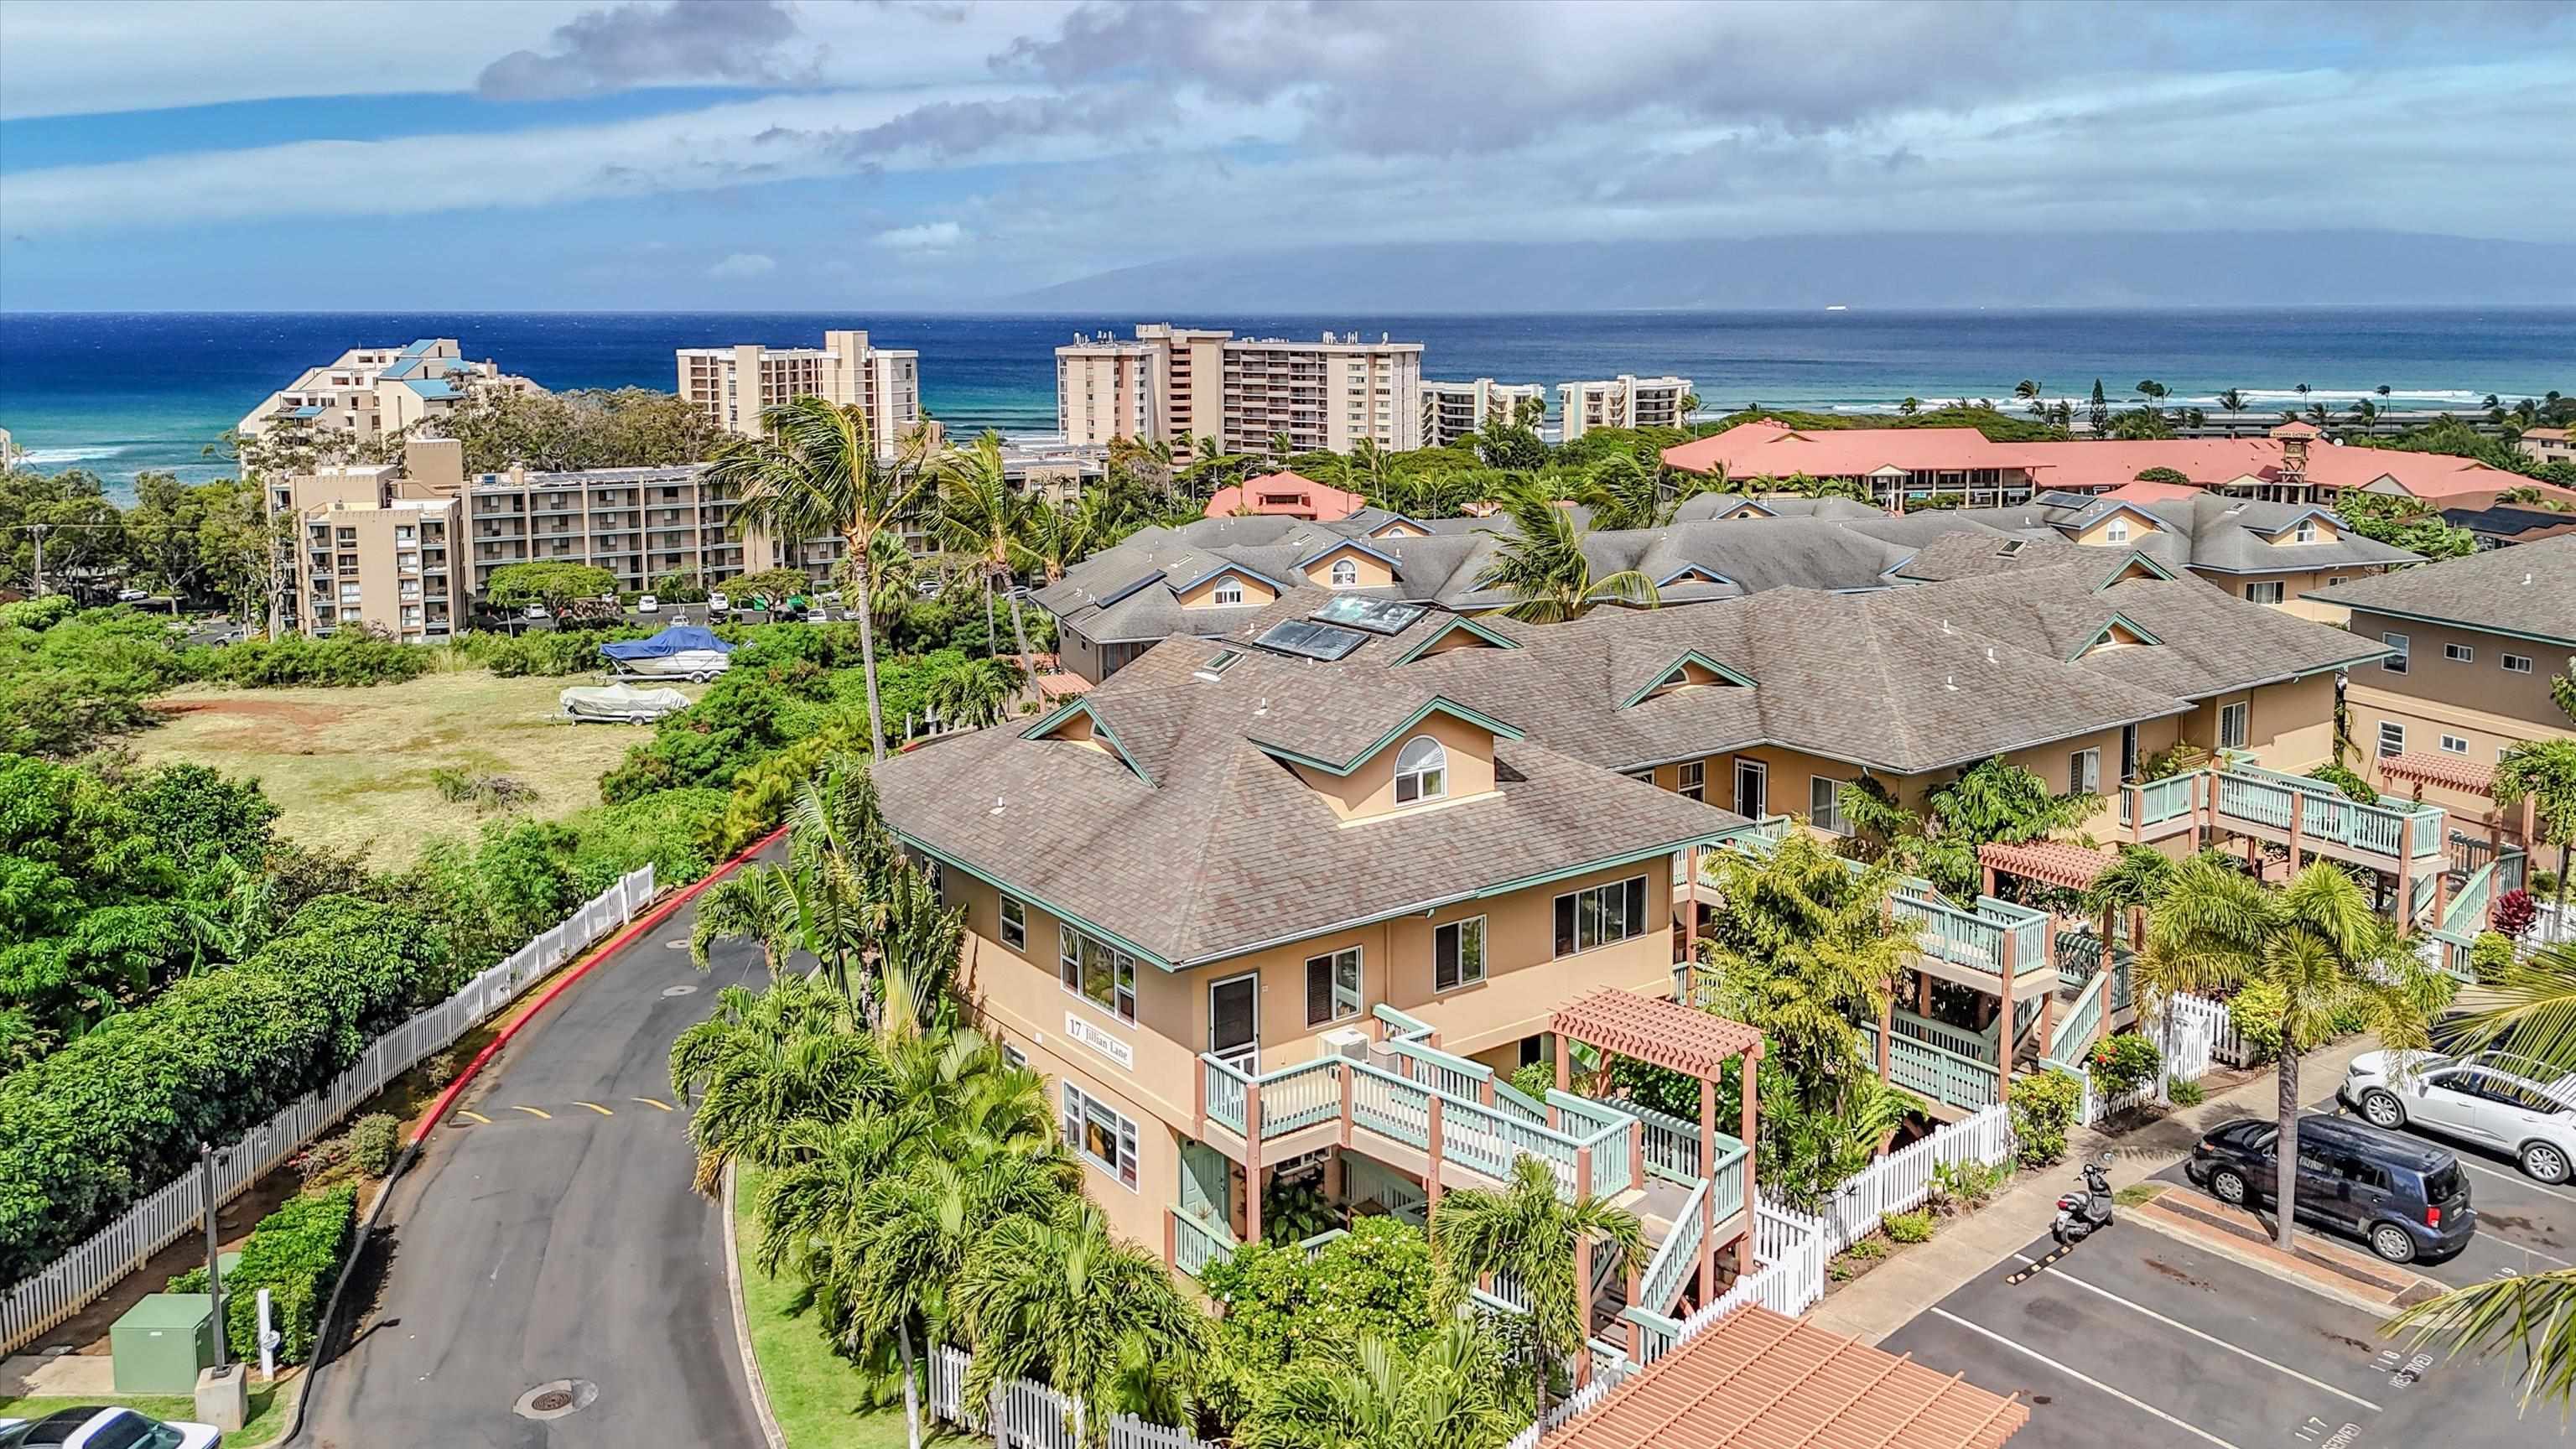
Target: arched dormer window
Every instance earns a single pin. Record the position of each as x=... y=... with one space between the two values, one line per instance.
x=1421 y=771
x=1345 y=573
x=1229 y=592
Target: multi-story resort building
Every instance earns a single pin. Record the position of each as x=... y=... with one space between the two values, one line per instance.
x=1202 y=577
x=1323 y=396
x=1899 y=466
x=1294 y=901
x=2473 y=644
x=1455 y=411
x=1624 y=401
x=734 y=385
x=2548 y=445
x=1163 y=385
x=371 y=391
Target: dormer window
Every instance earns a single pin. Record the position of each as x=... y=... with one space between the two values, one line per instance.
x=1345 y=573
x=1421 y=771
x=1230 y=591
x=2307 y=531
x=2117 y=532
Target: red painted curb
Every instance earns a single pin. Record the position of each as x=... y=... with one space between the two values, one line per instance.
x=581 y=968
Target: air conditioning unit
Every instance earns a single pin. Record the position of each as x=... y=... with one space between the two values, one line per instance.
x=1348 y=1042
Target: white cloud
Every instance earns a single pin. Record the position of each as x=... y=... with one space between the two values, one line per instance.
x=935 y=236
x=743 y=264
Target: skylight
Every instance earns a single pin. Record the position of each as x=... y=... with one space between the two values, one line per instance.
x=2014 y=547
x=1310 y=640
x=1218 y=663
x=1378 y=616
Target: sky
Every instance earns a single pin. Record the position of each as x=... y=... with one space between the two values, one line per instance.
x=933 y=154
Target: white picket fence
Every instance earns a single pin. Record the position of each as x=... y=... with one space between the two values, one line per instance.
x=1902 y=1179
x=1028 y=1415
x=78 y=1277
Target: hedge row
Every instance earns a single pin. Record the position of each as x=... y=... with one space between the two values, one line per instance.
x=115 y=1115
x=295 y=1253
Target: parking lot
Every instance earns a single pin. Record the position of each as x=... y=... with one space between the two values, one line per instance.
x=2138 y=1337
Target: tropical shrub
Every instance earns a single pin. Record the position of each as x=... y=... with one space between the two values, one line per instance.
x=1373 y=1283
x=2490 y=957
x=2515 y=913
x=1913 y=1227
x=1294 y=1211
x=1963 y=1186
x=736 y=723
x=2043 y=1109
x=548 y=583
x=375 y=1140
x=2124 y=1062
x=351 y=658
x=2544 y=883
x=2352 y=785
x=2162 y=475
x=2185 y=1091
x=68 y=684
x=296 y=1254
x=675 y=831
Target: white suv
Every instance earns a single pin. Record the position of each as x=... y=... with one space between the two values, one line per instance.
x=2494 y=1099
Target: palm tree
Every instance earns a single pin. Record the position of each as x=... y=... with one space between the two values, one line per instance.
x=2233 y=400
x=972 y=693
x=1682 y=415
x=2317 y=944
x=1058 y=537
x=764 y=1063
x=1542 y=563
x=1910 y=406
x=2544 y=772
x=1622 y=494
x=1445 y=1395
x=1525 y=1232
x=983 y=516
x=760 y=902
x=815 y=470
x=1802 y=950
x=1058 y=1300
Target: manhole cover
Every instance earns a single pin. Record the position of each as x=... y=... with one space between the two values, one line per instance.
x=683 y=989
x=556 y=1399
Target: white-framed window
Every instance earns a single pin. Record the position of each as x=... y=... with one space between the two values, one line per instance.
x=2460 y=653
x=2454 y=745
x=1018 y=1059
x=1015 y=925
x=2306 y=531
x=1421 y=770
x=2235 y=724
x=2265 y=593
x=1345 y=573
x=1100 y=974
x=1458 y=954
x=1103 y=1135
x=1693 y=779
x=1229 y=592
x=1600 y=915
x=1333 y=986
x=2392 y=738
x=2395 y=663
x=1825 y=805
x=2517 y=664
x=2084 y=772
x=2117 y=531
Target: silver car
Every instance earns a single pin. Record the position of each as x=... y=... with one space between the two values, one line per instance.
x=2512 y=1104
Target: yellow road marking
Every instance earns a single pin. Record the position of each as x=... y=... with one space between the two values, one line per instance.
x=650 y=1102
x=532 y=1111
x=594 y=1106
x=477 y=1116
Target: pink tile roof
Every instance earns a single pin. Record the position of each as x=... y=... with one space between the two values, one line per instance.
x=1765 y=448
x=1314 y=500
x=2152 y=492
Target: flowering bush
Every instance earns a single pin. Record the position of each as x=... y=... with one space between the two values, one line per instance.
x=2514 y=913
x=2123 y=1063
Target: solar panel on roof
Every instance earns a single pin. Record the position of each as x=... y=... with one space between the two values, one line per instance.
x=1378 y=616
x=1311 y=640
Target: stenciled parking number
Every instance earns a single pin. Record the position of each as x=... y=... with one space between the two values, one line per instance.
x=2343 y=1438
x=2404 y=1372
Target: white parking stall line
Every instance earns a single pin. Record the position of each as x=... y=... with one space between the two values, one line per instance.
x=2060 y=1273
x=2140 y=1405
x=2512 y=1246
x=2517 y=1179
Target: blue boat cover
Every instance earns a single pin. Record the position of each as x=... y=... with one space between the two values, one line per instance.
x=674 y=640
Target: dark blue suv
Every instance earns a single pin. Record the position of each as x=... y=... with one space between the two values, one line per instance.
x=2405 y=1198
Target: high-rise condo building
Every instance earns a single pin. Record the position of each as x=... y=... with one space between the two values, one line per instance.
x=371 y=391
x=1324 y=395
x=1159 y=386
x=1624 y=401
x=734 y=385
x=1455 y=410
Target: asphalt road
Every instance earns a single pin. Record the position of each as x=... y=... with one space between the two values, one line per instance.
x=549 y=1233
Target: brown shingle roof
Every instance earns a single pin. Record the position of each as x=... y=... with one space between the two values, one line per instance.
x=1650 y=1029
x=1757 y=1380
x=2529 y=590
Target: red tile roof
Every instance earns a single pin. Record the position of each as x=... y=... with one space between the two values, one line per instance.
x=1287 y=494
x=1651 y=1029
x=2050 y=862
x=1757 y=1380
x=2451 y=770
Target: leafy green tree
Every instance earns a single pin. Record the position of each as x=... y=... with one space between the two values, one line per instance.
x=2315 y=947
x=207 y=543
x=1993 y=801
x=1524 y=1231
x=628 y=427
x=1801 y=947
x=816 y=470
x=2543 y=772
x=552 y=583
x=1541 y=562
x=1447 y=1394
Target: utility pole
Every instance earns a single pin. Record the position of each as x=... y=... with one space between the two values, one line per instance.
x=39 y=530
x=214 y=1263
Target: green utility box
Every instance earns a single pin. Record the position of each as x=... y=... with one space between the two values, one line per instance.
x=161 y=1343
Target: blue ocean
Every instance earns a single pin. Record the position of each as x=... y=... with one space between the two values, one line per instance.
x=119 y=393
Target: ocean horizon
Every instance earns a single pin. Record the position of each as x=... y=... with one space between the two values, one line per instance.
x=120 y=393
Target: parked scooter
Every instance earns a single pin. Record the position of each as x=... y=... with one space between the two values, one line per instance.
x=2079 y=1215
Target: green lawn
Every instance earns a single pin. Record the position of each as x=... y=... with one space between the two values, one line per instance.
x=267 y=1410
x=816 y=1397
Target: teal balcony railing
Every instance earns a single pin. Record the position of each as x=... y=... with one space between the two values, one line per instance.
x=2392 y=828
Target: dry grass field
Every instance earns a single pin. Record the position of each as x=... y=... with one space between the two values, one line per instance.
x=352 y=766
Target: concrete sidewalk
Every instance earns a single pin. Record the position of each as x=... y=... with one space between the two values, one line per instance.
x=1890 y=1295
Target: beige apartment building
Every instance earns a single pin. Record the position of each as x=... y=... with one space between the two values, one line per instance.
x=1164 y=385
x=1323 y=396
x=2473 y=646
x=371 y=391
x=734 y=385
x=1625 y=401
x=1454 y=411
x=2548 y=445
